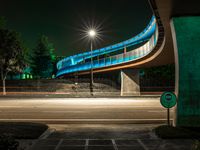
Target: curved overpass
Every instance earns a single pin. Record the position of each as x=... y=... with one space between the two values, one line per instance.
x=148 y=46
x=177 y=38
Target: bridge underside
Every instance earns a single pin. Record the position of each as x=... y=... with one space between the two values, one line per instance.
x=184 y=17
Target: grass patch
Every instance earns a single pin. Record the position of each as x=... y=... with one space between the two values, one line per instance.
x=22 y=130
x=169 y=132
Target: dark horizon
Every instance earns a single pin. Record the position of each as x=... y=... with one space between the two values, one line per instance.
x=62 y=21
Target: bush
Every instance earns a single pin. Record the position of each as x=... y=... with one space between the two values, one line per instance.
x=22 y=130
x=7 y=142
x=169 y=132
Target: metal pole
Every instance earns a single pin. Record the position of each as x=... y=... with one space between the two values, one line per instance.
x=168 y=116
x=91 y=71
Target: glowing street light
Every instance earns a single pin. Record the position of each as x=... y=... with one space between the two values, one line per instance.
x=92 y=34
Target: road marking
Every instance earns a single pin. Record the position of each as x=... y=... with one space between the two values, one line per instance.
x=12 y=107
x=81 y=110
x=81 y=106
x=65 y=111
x=106 y=120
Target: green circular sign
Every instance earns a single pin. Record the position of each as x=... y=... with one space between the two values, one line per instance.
x=168 y=99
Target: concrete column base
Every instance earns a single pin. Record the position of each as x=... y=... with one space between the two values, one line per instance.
x=130 y=83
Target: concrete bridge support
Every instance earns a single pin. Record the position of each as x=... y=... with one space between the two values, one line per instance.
x=130 y=83
x=186 y=31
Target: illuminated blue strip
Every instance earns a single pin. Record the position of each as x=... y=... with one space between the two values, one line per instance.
x=142 y=37
x=114 y=60
x=97 y=64
x=67 y=67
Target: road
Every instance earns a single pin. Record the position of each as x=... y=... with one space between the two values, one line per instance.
x=86 y=110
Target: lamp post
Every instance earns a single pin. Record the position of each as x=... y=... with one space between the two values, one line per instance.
x=92 y=34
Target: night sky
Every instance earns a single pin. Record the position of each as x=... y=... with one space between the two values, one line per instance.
x=63 y=21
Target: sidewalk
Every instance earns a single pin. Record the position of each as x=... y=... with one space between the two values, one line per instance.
x=107 y=137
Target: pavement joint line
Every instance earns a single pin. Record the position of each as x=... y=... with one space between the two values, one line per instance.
x=58 y=145
x=114 y=144
x=47 y=133
x=86 y=144
x=153 y=135
x=142 y=144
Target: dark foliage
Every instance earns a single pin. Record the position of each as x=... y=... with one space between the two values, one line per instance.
x=42 y=59
x=22 y=130
x=12 y=52
x=7 y=142
x=169 y=132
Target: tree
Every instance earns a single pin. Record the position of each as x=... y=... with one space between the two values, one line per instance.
x=42 y=59
x=2 y=22
x=12 y=54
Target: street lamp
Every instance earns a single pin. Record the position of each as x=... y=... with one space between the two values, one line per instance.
x=92 y=34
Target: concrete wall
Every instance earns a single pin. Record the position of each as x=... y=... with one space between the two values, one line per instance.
x=62 y=86
x=130 y=83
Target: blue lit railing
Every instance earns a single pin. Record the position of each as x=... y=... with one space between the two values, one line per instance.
x=140 y=38
x=78 y=64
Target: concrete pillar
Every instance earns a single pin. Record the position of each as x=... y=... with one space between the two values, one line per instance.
x=130 y=83
x=185 y=32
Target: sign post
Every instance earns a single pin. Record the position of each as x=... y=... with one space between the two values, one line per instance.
x=168 y=100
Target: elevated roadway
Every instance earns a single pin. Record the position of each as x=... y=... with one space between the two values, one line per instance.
x=163 y=52
x=151 y=38
x=159 y=53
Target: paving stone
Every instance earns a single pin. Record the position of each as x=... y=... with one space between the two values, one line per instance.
x=127 y=142
x=71 y=148
x=73 y=142
x=172 y=146
x=56 y=135
x=100 y=135
x=43 y=147
x=101 y=148
x=130 y=148
x=154 y=147
x=179 y=141
x=48 y=142
x=100 y=142
x=151 y=142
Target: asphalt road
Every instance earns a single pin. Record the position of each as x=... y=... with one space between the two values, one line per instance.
x=83 y=110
